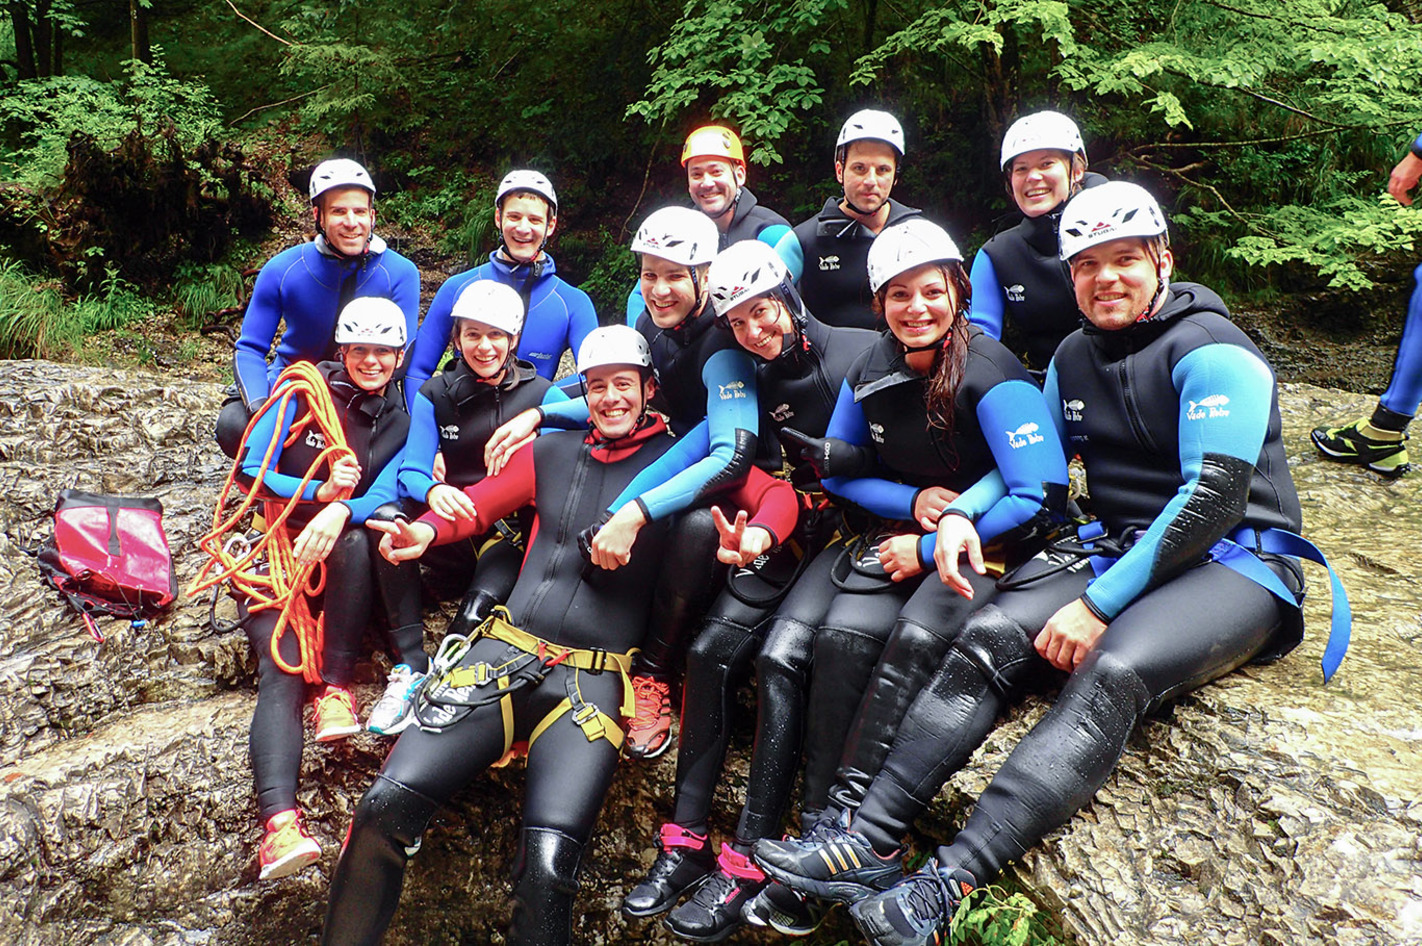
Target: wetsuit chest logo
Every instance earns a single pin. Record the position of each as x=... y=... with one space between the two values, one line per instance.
x=829 y=263
x=782 y=413
x=449 y=432
x=1015 y=293
x=1024 y=436
x=1072 y=409
x=877 y=432
x=735 y=389
x=316 y=439
x=1209 y=407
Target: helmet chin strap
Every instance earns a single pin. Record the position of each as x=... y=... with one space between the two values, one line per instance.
x=336 y=252
x=730 y=206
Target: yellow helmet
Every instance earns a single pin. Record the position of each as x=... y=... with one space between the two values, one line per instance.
x=715 y=141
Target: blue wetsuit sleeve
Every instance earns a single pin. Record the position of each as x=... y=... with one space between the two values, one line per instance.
x=406 y=294
x=690 y=447
x=555 y=395
x=1416 y=147
x=259 y=329
x=417 y=467
x=635 y=304
x=255 y=447
x=1051 y=396
x=792 y=255
x=385 y=488
x=1225 y=398
x=732 y=419
x=1015 y=421
x=773 y=234
x=988 y=304
x=432 y=340
x=880 y=496
x=568 y=414
x=582 y=319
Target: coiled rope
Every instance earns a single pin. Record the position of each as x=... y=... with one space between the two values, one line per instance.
x=283 y=582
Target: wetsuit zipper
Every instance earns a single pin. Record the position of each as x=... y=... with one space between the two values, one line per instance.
x=575 y=488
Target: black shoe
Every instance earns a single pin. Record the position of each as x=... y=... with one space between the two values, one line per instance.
x=838 y=864
x=785 y=911
x=685 y=858
x=917 y=911
x=714 y=911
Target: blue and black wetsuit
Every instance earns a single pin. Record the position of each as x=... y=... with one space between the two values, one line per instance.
x=797 y=389
x=559 y=316
x=827 y=257
x=1177 y=421
x=454 y=414
x=375 y=427
x=1020 y=274
x=1399 y=402
x=881 y=639
x=306 y=287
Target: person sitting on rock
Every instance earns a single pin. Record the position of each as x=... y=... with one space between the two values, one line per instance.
x=305 y=288
x=1188 y=574
x=1379 y=442
x=550 y=671
x=370 y=336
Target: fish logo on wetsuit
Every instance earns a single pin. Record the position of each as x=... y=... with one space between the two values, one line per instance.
x=734 y=389
x=1212 y=406
x=1016 y=293
x=1071 y=410
x=316 y=439
x=1024 y=436
x=829 y=264
x=449 y=432
x=782 y=413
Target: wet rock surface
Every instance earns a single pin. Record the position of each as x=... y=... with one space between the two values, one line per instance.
x=1266 y=809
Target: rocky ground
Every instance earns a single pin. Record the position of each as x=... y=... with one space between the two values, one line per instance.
x=1268 y=809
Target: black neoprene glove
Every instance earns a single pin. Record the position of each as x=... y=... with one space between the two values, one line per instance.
x=831 y=456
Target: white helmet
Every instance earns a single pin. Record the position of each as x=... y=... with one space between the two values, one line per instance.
x=614 y=345
x=678 y=234
x=371 y=320
x=1110 y=211
x=1041 y=130
x=532 y=181
x=871 y=124
x=903 y=246
x=492 y=303
x=745 y=270
x=339 y=172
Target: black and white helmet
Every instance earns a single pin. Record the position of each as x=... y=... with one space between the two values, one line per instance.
x=614 y=345
x=679 y=235
x=339 y=172
x=1114 y=210
x=906 y=245
x=1041 y=130
x=743 y=271
x=371 y=320
x=870 y=124
x=527 y=180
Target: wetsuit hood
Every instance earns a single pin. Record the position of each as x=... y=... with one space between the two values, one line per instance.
x=538 y=269
x=832 y=219
x=612 y=451
x=464 y=385
x=1181 y=299
x=350 y=396
x=374 y=247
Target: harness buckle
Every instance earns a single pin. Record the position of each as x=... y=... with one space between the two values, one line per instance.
x=598 y=662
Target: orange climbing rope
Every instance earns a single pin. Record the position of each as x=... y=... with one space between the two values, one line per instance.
x=283 y=582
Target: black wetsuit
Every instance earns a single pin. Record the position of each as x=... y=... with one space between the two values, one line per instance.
x=751 y=219
x=1177 y=421
x=375 y=427
x=827 y=254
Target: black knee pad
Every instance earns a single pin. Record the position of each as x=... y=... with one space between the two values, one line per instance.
x=718 y=646
x=997 y=646
x=545 y=883
x=787 y=653
x=393 y=811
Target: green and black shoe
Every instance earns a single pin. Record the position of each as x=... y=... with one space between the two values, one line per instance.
x=1348 y=444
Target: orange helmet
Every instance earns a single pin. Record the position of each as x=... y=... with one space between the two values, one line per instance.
x=715 y=141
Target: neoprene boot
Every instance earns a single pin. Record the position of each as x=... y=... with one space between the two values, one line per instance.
x=545 y=884
x=476 y=607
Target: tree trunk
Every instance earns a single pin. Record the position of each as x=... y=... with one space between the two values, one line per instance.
x=1000 y=88
x=24 y=47
x=138 y=32
x=58 y=61
x=44 y=43
x=871 y=12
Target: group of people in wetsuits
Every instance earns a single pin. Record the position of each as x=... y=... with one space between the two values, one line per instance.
x=809 y=458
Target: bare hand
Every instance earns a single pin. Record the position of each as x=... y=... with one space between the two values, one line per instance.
x=899 y=556
x=508 y=438
x=928 y=506
x=612 y=546
x=438 y=469
x=450 y=503
x=319 y=537
x=1404 y=178
x=956 y=535
x=740 y=545
x=345 y=476
x=1069 y=635
x=402 y=541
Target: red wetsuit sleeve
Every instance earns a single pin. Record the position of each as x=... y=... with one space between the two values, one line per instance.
x=494 y=497
x=772 y=503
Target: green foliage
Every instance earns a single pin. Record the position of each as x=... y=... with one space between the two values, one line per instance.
x=752 y=56
x=200 y=289
x=37 y=321
x=611 y=277
x=455 y=206
x=993 y=916
x=39 y=116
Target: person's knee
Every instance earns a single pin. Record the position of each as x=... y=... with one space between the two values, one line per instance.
x=786 y=655
x=392 y=811
x=717 y=647
x=232 y=420
x=996 y=646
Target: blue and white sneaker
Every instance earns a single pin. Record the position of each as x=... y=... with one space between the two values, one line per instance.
x=395 y=710
x=917 y=911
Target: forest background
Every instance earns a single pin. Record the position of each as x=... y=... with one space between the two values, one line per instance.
x=151 y=151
